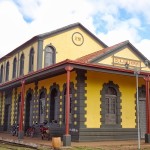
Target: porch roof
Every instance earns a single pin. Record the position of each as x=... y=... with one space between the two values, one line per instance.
x=59 y=68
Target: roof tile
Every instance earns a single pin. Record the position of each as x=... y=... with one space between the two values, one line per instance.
x=91 y=56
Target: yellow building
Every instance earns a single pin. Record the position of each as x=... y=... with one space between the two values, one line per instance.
x=71 y=76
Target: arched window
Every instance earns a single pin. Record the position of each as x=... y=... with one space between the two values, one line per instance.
x=1 y=75
x=31 y=60
x=14 y=67
x=49 y=56
x=22 y=64
x=42 y=107
x=7 y=71
x=110 y=105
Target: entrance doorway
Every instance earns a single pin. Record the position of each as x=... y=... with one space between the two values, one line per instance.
x=7 y=110
x=42 y=107
x=142 y=116
x=54 y=105
x=110 y=106
x=110 y=109
x=142 y=110
x=7 y=117
x=28 y=112
x=18 y=109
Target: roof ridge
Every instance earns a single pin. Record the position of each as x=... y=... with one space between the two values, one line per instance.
x=55 y=31
x=60 y=29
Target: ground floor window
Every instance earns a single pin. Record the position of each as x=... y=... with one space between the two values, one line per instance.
x=42 y=107
x=110 y=106
x=110 y=109
x=71 y=110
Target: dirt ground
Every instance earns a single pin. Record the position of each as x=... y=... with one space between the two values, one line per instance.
x=101 y=145
x=114 y=145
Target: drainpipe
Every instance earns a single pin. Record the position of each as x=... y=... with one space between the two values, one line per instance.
x=67 y=136
x=147 y=135
x=21 y=133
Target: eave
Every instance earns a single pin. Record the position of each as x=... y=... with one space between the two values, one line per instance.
x=59 y=68
x=49 y=34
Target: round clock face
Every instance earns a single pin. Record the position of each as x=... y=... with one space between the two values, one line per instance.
x=77 y=38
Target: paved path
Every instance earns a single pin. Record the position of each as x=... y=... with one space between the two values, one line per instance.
x=37 y=141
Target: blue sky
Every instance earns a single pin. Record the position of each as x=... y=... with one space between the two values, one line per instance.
x=112 y=21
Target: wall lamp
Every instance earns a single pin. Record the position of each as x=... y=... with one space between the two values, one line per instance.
x=126 y=65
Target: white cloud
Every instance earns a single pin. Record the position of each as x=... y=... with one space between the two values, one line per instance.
x=144 y=47
x=136 y=7
x=13 y=29
x=54 y=14
x=121 y=31
x=28 y=8
x=47 y=15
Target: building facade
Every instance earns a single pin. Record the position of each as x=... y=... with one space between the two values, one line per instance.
x=71 y=76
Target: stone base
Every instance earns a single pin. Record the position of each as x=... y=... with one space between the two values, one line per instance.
x=67 y=140
x=147 y=138
x=20 y=135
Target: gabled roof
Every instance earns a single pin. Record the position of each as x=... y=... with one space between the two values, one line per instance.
x=89 y=57
x=106 y=51
x=71 y=26
x=48 y=34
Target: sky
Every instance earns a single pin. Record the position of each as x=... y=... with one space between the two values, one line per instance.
x=112 y=21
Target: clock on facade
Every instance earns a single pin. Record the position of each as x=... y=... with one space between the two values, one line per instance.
x=77 y=38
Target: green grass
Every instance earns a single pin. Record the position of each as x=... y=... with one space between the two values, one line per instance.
x=82 y=148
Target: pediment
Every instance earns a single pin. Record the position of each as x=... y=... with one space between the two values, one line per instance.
x=124 y=56
x=117 y=56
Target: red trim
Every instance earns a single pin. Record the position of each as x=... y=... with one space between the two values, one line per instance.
x=73 y=62
x=33 y=73
x=21 y=107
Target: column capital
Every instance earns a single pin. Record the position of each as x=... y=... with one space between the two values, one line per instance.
x=22 y=81
x=147 y=78
x=68 y=68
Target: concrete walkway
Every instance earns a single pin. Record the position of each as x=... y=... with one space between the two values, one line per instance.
x=38 y=142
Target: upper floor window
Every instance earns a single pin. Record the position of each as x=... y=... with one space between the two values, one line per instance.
x=1 y=74
x=31 y=60
x=22 y=64
x=49 y=56
x=14 y=67
x=7 y=71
